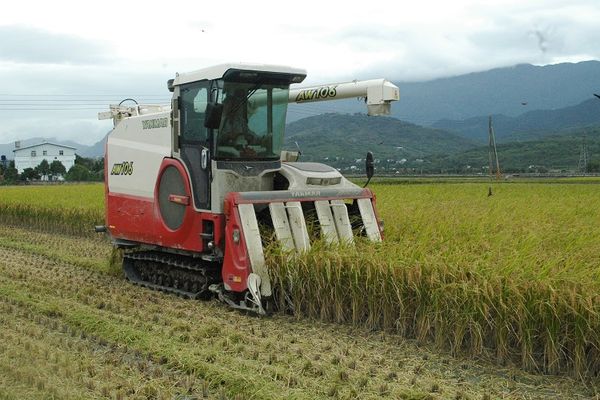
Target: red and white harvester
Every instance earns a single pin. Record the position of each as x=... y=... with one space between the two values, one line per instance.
x=189 y=184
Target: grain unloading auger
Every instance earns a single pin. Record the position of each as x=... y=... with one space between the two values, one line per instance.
x=192 y=187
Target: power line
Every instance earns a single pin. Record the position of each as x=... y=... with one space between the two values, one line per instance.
x=48 y=109
x=73 y=100
x=98 y=102
x=81 y=94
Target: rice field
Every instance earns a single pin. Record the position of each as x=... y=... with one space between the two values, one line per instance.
x=513 y=277
x=71 y=209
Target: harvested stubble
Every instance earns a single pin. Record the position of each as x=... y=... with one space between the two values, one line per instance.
x=515 y=275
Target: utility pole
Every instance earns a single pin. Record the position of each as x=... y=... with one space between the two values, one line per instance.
x=584 y=156
x=493 y=151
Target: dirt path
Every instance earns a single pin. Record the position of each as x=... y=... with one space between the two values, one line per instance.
x=71 y=328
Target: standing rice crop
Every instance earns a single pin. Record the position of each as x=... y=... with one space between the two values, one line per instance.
x=515 y=275
x=70 y=209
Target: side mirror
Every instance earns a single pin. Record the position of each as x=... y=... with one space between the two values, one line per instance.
x=369 y=165
x=212 y=119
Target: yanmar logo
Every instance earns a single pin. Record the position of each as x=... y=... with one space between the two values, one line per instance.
x=124 y=168
x=307 y=193
x=323 y=92
x=155 y=123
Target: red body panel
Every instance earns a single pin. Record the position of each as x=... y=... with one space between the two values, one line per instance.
x=236 y=264
x=138 y=219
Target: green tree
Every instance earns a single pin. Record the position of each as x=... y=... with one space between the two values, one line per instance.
x=593 y=166
x=57 y=168
x=78 y=173
x=43 y=168
x=94 y=165
x=29 y=174
x=11 y=175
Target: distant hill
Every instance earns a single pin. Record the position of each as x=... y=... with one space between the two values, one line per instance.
x=494 y=92
x=528 y=126
x=95 y=150
x=498 y=91
x=346 y=137
x=559 y=151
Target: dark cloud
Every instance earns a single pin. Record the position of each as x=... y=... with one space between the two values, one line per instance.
x=19 y=44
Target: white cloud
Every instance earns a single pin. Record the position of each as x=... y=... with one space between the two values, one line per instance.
x=130 y=49
x=22 y=44
x=84 y=131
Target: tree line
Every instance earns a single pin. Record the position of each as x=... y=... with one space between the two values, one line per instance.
x=84 y=170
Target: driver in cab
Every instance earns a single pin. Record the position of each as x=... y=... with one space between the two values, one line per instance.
x=234 y=131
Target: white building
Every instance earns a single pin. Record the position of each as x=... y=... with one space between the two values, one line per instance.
x=32 y=156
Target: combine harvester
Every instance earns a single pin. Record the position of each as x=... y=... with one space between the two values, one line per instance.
x=188 y=185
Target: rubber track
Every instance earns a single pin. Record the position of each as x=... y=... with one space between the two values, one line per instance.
x=183 y=276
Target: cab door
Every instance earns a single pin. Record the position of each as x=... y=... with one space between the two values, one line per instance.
x=194 y=140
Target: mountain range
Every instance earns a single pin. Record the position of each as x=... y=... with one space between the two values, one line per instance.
x=509 y=91
x=531 y=125
x=341 y=138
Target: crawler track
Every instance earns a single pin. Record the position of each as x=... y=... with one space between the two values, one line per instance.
x=184 y=276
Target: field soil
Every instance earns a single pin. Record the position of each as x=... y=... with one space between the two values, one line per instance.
x=71 y=327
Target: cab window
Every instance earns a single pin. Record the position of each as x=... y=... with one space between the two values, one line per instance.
x=194 y=98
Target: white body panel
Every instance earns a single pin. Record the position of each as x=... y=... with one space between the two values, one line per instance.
x=326 y=221
x=370 y=222
x=298 y=225
x=298 y=178
x=342 y=221
x=143 y=149
x=217 y=71
x=379 y=93
x=254 y=246
x=281 y=225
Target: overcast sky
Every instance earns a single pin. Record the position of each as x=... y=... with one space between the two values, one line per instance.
x=62 y=62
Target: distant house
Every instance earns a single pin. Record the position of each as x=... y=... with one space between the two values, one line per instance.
x=32 y=156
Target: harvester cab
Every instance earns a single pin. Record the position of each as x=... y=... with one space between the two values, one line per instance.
x=195 y=189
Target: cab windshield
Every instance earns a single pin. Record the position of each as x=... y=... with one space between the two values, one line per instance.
x=253 y=121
